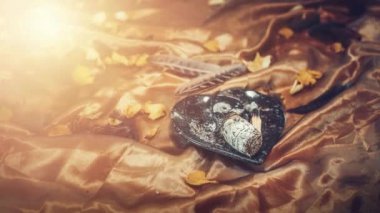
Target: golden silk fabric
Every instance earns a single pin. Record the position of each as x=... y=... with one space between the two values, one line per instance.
x=328 y=159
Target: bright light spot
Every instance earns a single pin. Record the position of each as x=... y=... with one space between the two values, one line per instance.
x=99 y=18
x=44 y=24
x=121 y=16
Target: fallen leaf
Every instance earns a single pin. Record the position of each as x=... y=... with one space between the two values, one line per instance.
x=83 y=75
x=151 y=132
x=296 y=87
x=59 y=130
x=286 y=32
x=155 y=111
x=128 y=106
x=142 y=60
x=305 y=77
x=117 y=58
x=212 y=46
x=308 y=77
x=337 y=47
x=259 y=62
x=132 y=110
x=197 y=178
x=6 y=114
x=138 y=60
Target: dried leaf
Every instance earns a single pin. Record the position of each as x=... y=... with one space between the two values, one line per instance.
x=83 y=75
x=305 y=77
x=116 y=58
x=212 y=46
x=337 y=47
x=59 y=130
x=155 y=111
x=128 y=106
x=259 y=63
x=132 y=110
x=139 y=60
x=308 y=77
x=296 y=87
x=6 y=114
x=197 y=178
x=151 y=132
x=286 y=32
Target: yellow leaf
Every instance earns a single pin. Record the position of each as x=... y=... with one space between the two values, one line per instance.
x=155 y=111
x=305 y=77
x=128 y=106
x=337 y=47
x=6 y=114
x=132 y=109
x=308 y=77
x=286 y=32
x=141 y=60
x=116 y=58
x=212 y=46
x=83 y=75
x=259 y=63
x=151 y=132
x=59 y=130
x=197 y=178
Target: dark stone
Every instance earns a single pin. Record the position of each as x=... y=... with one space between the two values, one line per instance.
x=197 y=119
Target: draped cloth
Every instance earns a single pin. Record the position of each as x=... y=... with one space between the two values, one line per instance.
x=327 y=160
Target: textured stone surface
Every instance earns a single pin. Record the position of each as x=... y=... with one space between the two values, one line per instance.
x=198 y=119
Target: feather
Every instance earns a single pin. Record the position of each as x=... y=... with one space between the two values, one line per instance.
x=212 y=79
x=185 y=67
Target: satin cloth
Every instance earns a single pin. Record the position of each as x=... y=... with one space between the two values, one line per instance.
x=328 y=159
